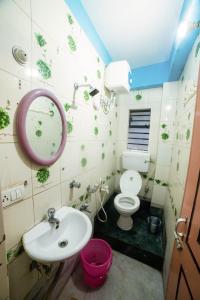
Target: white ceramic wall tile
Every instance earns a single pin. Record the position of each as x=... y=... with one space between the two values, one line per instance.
x=18 y=219
x=44 y=56
x=45 y=200
x=11 y=92
x=170 y=91
x=164 y=154
x=53 y=177
x=15 y=168
x=20 y=278
x=3 y=273
x=17 y=33
x=158 y=196
x=168 y=111
x=67 y=194
x=162 y=172
x=53 y=24
x=70 y=167
x=25 y=5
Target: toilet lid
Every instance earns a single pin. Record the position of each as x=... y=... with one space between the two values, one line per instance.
x=130 y=182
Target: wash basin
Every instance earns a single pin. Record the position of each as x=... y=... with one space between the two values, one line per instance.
x=44 y=243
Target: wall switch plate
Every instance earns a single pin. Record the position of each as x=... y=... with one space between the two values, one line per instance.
x=12 y=195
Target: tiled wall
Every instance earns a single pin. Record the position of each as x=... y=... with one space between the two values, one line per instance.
x=4 y=291
x=143 y=99
x=58 y=54
x=165 y=143
x=183 y=127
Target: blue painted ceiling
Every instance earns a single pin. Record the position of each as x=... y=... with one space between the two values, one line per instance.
x=151 y=75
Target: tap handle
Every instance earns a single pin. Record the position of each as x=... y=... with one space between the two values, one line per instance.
x=51 y=212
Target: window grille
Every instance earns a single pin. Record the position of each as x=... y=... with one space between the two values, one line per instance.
x=138 y=131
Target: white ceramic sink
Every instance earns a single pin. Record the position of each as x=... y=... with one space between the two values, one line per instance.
x=42 y=242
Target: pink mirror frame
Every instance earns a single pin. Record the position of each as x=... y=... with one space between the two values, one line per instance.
x=21 y=126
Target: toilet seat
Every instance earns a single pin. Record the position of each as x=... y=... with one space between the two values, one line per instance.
x=130 y=182
x=127 y=203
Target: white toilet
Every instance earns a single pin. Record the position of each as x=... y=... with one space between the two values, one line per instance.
x=127 y=202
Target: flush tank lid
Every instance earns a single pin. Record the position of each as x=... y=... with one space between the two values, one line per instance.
x=130 y=182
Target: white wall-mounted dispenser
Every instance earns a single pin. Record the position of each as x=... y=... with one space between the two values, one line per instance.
x=118 y=77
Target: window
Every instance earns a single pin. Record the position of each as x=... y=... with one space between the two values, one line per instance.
x=138 y=131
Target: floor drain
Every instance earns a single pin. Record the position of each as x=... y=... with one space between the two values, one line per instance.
x=63 y=244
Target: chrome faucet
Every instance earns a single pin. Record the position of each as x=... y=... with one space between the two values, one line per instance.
x=51 y=218
x=75 y=184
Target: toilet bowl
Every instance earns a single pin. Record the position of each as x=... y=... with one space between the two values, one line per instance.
x=127 y=202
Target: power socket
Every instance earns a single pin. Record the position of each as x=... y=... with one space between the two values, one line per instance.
x=6 y=198
x=12 y=195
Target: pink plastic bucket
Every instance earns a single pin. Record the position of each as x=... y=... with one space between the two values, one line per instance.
x=96 y=260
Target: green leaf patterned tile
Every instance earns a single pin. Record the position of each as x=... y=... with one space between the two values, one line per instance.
x=81 y=198
x=40 y=39
x=158 y=181
x=138 y=97
x=4 y=118
x=96 y=130
x=14 y=252
x=67 y=106
x=43 y=69
x=70 y=19
x=197 y=49
x=187 y=134
x=165 y=136
x=98 y=74
x=71 y=43
x=42 y=175
x=69 y=127
x=86 y=95
x=83 y=162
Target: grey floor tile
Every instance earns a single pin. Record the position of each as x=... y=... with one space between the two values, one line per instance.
x=128 y=279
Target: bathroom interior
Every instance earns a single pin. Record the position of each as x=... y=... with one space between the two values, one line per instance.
x=99 y=106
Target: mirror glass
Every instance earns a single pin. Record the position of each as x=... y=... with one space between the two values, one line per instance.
x=44 y=127
x=41 y=126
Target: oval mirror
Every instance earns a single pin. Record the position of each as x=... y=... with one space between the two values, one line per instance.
x=41 y=126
